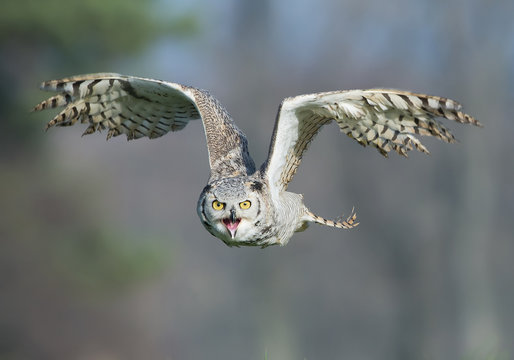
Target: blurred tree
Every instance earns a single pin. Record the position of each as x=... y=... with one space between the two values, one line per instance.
x=56 y=252
x=72 y=36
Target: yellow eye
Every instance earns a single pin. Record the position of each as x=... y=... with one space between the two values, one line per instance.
x=245 y=204
x=216 y=205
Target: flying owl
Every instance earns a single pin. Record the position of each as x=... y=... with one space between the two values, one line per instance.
x=241 y=204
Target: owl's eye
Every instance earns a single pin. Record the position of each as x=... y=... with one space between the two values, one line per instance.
x=245 y=204
x=216 y=205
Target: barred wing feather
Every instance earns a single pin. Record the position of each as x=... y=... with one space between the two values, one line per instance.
x=386 y=119
x=129 y=105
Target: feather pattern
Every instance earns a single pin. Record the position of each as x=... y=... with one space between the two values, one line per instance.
x=132 y=106
x=139 y=107
x=386 y=119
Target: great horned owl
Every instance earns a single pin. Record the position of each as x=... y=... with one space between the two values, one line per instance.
x=242 y=204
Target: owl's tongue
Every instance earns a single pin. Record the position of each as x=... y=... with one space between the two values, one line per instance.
x=231 y=225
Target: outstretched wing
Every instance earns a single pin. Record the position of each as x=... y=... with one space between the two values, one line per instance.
x=385 y=119
x=126 y=105
x=139 y=107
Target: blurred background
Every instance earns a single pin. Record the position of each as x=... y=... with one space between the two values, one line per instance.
x=102 y=255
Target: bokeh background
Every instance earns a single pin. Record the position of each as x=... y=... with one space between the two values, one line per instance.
x=102 y=255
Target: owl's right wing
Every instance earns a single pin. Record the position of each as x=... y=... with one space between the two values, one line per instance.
x=139 y=107
x=385 y=119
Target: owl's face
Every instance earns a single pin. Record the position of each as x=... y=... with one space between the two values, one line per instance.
x=232 y=210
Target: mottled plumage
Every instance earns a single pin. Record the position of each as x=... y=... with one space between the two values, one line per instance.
x=243 y=205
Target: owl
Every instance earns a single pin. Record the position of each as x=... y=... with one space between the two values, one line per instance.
x=241 y=204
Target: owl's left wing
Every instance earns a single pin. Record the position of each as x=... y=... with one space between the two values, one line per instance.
x=385 y=119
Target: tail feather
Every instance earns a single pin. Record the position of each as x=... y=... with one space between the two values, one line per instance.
x=340 y=223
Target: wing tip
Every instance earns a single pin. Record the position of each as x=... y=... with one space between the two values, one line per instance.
x=57 y=84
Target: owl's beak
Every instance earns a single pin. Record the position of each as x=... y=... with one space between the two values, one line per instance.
x=232 y=223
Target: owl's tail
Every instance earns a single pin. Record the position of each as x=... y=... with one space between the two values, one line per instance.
x=349 y=223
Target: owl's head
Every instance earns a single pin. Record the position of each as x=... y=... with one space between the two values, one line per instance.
x=233 y=210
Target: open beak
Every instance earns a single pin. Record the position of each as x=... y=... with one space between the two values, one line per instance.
x=232 y=223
